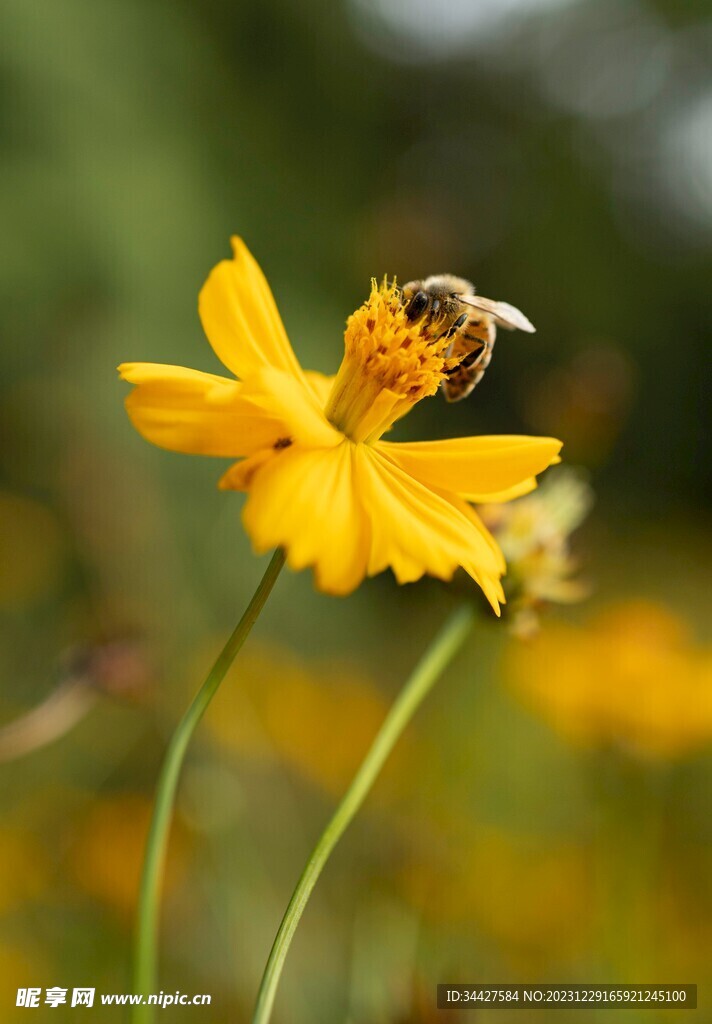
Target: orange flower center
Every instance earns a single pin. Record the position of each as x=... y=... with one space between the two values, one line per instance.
x=389 y=364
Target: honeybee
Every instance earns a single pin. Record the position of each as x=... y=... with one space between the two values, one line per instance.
x=451 y=303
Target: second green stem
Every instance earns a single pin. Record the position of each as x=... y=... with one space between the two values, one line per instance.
x=441 y=651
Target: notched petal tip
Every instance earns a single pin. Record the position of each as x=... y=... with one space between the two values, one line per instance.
x=125 y=371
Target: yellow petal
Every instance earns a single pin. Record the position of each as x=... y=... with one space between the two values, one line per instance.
x=468 y=511
x=294 y=405
x=203 y=414
x=499 y=497
x=320 y=384
x=198 y=413
x=305 y=501
x=240 y=475
x=415 y=531
x=479 y=466
x=241 y=319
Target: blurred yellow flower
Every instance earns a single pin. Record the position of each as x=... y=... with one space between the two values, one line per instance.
x=321 y=482
x=632 y=678
x=108 y=847
x=534 y=535
x=531 y=895
x=21 y=967
x=684 y=911
x=32 y=551
x=24 y=867
x=289 y=709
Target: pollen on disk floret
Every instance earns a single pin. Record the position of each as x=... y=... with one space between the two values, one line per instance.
x=407 y=357
x=390 y=363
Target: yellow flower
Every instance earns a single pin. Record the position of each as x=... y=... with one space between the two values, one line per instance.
x=24 y=868
x=33 y=551
x=20 y=966
x=633 y=678
x=530 y=894
x=287 y=708
x=108 y=848
x=321 y=482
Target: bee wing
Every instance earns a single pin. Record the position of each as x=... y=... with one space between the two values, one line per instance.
x=504 y=314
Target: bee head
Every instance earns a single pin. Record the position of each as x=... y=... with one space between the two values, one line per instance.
x=415 y=298
x=417 y=305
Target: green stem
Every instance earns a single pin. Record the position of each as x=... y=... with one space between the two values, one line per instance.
x=440 y=652
x=156 y=846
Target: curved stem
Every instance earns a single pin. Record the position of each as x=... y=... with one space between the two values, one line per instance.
x=440 y=652
x=156 y=846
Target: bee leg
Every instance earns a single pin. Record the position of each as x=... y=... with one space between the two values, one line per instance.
x=455 y=327
x=458 y=323
x=471 y=358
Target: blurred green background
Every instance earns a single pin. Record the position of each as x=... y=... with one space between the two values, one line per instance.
x=557 y=152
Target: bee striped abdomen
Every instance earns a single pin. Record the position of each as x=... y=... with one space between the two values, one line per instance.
x=474 y=344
